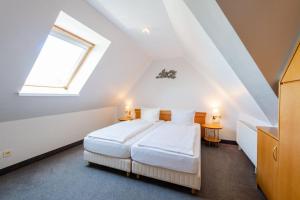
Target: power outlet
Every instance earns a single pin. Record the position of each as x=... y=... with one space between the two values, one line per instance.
x=6 y=153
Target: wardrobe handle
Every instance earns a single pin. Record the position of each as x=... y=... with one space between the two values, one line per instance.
x=275 y=153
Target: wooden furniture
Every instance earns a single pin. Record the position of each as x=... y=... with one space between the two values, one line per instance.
x=289 y=129
x=125 y=118
x=165 y=115
x=267 y=160
x=278 y=172
x=213 y=137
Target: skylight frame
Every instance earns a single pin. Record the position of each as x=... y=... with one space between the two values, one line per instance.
x=86 y=68
x=69 y=37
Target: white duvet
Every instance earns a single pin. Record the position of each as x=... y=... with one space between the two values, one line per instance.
x=173 y=138
x=121 y=132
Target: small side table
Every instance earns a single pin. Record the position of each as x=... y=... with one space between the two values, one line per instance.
x=213 y=137
x=122 y=119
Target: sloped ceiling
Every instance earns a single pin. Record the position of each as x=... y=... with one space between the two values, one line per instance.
x=202 y=53
x=132 y=16
x=194 y=35
x=193 y=24
x=212 y=19
x=24 y=28
x=269 y=29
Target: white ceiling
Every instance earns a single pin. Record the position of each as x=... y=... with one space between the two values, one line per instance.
x=124 y=62
x=209 y=15
x=205 y=57
x=131 y=16
x=23 y=33
x=176 y=32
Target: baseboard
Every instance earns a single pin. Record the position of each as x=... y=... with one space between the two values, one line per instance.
x=37 y=158
x=229 y=142
x=232 y=142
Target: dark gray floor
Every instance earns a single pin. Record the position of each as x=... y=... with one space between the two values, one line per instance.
x=227 y=174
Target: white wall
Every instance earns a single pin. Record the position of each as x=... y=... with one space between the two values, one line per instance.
x=206 y=18
x=134 y=15
x=201 y=51
x=24 y=28
x=35 y=136
x=189 y=90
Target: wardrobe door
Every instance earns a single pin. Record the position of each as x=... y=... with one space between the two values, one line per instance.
x=289 y=147
x=267 y=164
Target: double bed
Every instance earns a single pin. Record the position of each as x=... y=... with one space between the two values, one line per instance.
x=161 y=149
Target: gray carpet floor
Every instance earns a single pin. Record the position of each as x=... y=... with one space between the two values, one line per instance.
x=227 y=174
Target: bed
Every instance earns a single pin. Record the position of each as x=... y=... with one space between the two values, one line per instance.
x=171 y=152
x=111 y=146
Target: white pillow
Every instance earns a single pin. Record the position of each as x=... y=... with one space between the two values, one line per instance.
x=183 y=117
x=150 y=114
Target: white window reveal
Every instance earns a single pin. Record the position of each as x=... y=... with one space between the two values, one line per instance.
x=68 y=57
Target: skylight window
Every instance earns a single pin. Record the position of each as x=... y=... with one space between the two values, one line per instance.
x=59 y=60
x=66 y=60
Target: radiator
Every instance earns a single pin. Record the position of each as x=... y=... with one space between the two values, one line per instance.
x=247 y=139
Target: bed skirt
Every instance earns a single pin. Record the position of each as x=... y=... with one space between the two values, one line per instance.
x=123 y=164
x=180 y=178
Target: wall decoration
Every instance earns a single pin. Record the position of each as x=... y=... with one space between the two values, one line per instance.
x=167 y=74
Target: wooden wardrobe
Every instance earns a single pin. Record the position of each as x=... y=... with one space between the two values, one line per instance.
x=278 y=155
x=289 y=132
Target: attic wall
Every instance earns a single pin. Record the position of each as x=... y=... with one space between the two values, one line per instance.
x=206 y=18
x=133 y=15
x=268 y=29
x=206 y=58
x=24 y=28
x=28 y=138
x=190 y=90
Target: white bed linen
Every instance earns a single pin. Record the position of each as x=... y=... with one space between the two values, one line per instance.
x=122 y=131
x=150 y=114
x=167 y=159
x=173 y=138
x=185 y=117
x=115 y=149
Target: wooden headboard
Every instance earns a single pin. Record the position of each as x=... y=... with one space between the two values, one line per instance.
x=166 y=116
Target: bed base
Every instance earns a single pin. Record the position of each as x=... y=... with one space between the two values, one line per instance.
x=123 y=164
x=189 y=180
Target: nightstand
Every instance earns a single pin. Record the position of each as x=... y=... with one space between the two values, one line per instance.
x=212 y=133
x=122 y=119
